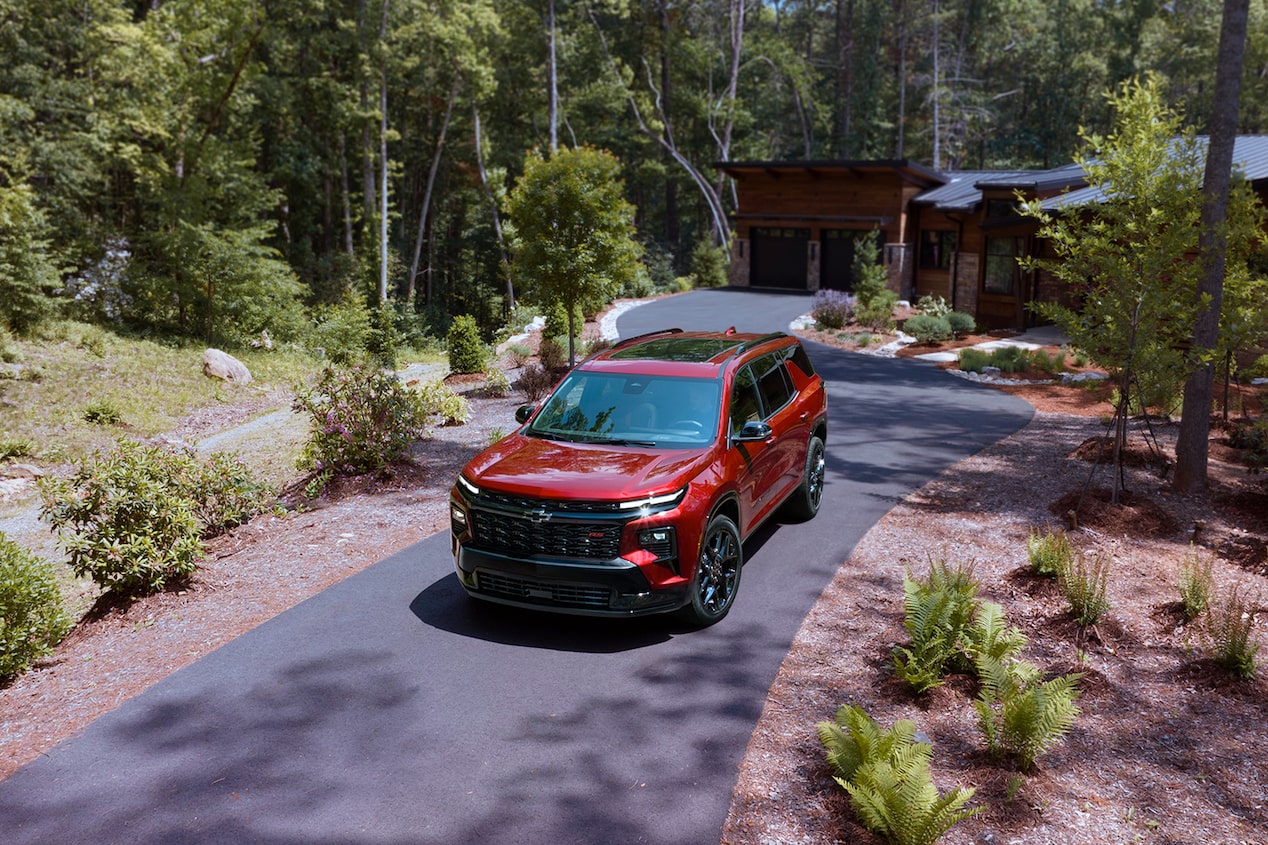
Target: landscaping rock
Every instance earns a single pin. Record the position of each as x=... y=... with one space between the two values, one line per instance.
x=222 y=365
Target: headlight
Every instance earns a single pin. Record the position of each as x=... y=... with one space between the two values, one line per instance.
x=468 y=488
x=664 y=501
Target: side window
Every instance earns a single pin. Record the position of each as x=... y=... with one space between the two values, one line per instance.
x=802 y=360
x=745 y=406
x=772 y=382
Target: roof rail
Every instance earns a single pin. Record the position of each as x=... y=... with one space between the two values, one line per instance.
x=758 y=341
x=638 y=337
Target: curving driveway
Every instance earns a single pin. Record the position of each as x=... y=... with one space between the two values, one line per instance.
x=390 y=709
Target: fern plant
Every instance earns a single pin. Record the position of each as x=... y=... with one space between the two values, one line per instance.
x=886 y=773
x=1196 y=583
x=1228 y=631
x=939 y=609
x=1020 y=714
x=1084 y=585
x=1050 y=553
x=991 y=636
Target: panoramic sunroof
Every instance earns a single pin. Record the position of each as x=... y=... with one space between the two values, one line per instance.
x=685 y=349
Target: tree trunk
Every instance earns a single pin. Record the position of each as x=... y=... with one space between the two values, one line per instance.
x=1192 y=445
x=671 y=186
x=493 y=203
x=383 y=162
x=431 y=184
x=554 y=81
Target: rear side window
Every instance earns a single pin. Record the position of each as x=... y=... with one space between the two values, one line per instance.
x=802 y=360
x=772 y=382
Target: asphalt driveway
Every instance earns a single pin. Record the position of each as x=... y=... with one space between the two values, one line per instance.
x=391 y=709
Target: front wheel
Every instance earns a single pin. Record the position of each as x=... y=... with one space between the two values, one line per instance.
x=718 y=569
x=804 y=502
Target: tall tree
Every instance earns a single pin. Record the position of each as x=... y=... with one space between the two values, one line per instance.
x=574 y=230
x=1193 y=443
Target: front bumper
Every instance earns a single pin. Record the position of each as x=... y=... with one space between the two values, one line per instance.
x=614 y=587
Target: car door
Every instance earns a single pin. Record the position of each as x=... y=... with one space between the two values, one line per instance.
x=754 y=462
x=789 y=428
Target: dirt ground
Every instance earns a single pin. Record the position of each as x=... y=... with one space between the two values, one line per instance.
x=1168 y=748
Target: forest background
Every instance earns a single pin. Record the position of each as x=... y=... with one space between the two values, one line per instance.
x=210 y=170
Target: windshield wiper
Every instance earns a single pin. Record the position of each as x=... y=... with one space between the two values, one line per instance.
x=621 y=441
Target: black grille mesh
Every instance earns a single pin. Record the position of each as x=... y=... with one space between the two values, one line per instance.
x=519 y=535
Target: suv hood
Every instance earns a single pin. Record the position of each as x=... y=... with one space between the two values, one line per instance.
x=532 y=466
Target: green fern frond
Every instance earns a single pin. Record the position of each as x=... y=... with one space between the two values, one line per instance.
x=991 y=635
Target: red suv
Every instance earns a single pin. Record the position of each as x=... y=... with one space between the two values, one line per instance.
x=631 y=488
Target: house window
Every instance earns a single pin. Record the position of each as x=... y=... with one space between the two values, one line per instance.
x=1002 y=274
x=1000 y=209
x=936 y=248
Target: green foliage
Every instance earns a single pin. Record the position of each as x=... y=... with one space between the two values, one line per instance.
x=709 y=264
x=1050 y=553
x=15 y=447
x=1196 y=583
x=1228 y=629
x=519 y=354
x=550 y=354
x=342 y=330
x=886 y=774
x=1084 y=583
x=439 y=402
x=102 y=412
x=961 y=323
x=467 y=353
x=927 y=328
x=1008 y=359
x=32 y=619
x=1253 y=438
x=1020 y=714
x=875 y=301
x=496 y=383
x=939 y=610
x=557 y=321
x=27 y=274
x=127 y=519
x=574 y=228
x=383 y=341
x=361 y=420
x=223 y=489
x=991 y=636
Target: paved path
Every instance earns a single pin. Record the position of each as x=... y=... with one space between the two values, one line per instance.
x=390 y=709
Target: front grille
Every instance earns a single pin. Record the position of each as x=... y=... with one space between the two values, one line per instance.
x=518 y=535
x=503 y=500
x=568 y=595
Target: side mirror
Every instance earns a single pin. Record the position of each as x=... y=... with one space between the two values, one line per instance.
x=753 y=431
x=524 y=412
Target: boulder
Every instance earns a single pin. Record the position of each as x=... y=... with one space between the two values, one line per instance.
x=222 y=365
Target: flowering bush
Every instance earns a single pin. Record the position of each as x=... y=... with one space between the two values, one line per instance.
x=832 y=309
x=362 y=420
x=440 y=402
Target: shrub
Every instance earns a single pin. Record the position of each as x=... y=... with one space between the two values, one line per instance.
x=926 y=328
x=934 y=306
x=224 y=492
x=973 y=360
x=1019 y=714
x=496 y=383
x=342 y=331
x=939 y=610
x=1196 y=583
x=832 y=309
x=1011 y=359
x=384 y=337
x=886 y=774
x=551 y=354
x=1228 y=630
x=102 y=413
x=1254 y=439
x=708 y=265
x=1084 y=586
x=125 y=519
x=1046 y=363
x=466 y=350
x=362 y=419
x=961 y=323
x=32 y=620
x=1050 y=553
x=535 y=382
x=440 y=402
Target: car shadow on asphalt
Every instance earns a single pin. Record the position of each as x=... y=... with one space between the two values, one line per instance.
x=445 y=605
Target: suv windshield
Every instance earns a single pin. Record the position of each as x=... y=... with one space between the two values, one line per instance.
x=631 y=409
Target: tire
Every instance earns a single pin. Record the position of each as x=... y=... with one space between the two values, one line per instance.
x=718 y=570
x=803 y=504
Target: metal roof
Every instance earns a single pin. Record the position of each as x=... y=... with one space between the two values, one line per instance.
x=961 y=192
x=911 y=171
x=1250 y=158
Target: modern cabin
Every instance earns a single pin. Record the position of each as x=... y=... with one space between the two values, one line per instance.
x=957 y=235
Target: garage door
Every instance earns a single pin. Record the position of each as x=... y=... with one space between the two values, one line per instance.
x=779 y=258
x=836 y=268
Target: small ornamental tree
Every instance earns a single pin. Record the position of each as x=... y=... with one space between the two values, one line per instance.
x=574 y=230
x=1129 y=257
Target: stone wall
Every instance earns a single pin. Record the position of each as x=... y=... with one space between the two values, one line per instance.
x=741 y=252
